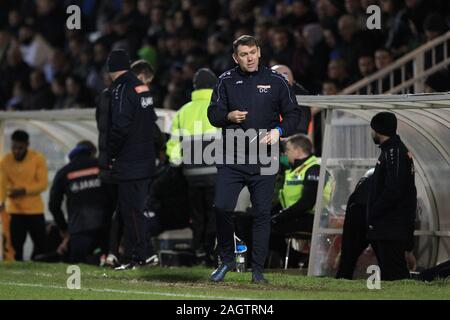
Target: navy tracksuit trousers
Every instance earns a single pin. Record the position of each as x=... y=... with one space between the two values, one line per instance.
x=229 y=184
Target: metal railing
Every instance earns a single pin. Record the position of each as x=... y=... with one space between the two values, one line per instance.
x=407 y=74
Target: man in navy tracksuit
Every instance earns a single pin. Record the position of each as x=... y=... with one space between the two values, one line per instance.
x=248 y=97
x=130 y=150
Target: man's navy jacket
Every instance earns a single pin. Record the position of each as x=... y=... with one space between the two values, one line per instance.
x=130 y=138
x=265 y=94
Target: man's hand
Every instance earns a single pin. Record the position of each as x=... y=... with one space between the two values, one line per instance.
x=272 y=137
x=16 y=192
x=63 y=247
x=237 y=116
x=64 y=234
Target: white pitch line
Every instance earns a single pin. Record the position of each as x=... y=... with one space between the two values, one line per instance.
x=181 y=295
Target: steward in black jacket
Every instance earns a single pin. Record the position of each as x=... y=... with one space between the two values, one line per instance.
x=130 y=139
x=392 y=199
x=129 y=148
x=103 y=116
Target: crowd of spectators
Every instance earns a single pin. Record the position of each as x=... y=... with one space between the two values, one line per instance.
x=44 y=65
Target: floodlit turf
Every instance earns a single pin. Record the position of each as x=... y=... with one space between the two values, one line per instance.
x=49 y=281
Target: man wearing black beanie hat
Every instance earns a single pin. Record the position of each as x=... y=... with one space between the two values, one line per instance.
x=383 y=124
x=392 y=200
x=125 y=120
x=204 y=79
x=118 y=60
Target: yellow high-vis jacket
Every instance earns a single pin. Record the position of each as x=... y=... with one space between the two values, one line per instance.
x=191 y=120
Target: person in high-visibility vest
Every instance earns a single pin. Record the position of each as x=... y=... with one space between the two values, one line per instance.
x=190 y=128
x=298 y=194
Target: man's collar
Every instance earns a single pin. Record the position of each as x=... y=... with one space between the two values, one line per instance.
x=24 y=157
x=122 y=77
x=202 y=94
x=389 y=141
x=299 y=162
x=247 y=74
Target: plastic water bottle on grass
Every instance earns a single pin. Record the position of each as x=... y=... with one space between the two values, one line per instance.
x=241 y=257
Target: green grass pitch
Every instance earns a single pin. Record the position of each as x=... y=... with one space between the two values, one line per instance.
x=29 y=280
